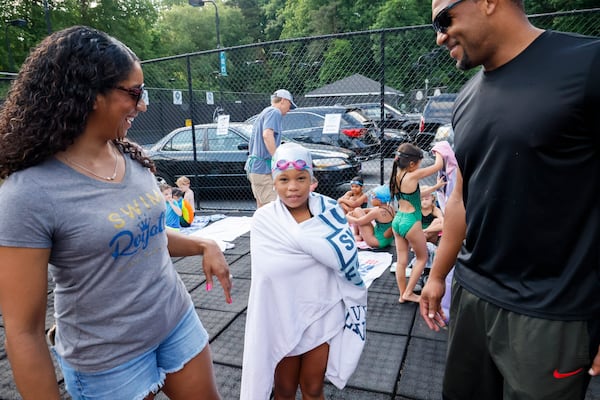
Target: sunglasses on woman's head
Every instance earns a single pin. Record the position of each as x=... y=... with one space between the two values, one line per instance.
x=443 y=19
x=298 y=165
x=135 y=92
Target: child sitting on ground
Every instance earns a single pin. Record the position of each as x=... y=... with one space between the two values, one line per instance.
x=432 y=217
x=183 y=183
x=173 y=207
x=187 y=211
x=374 y=224
x=355 y=197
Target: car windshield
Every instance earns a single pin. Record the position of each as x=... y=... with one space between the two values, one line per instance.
x=245 y=129
x=373 y=111
x=440 y=106
x=358 y=116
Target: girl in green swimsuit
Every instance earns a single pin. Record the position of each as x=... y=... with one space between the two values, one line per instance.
x=404 y=186
x=374 y=224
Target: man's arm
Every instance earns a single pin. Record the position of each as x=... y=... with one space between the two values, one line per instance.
x=454 y=228
x=269 y=139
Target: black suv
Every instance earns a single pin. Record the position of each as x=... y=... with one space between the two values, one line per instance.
x=437 y=113
x=398 y=127
x=393 y=118
x=319 y=125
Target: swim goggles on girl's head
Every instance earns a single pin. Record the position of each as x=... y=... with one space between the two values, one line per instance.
x=408 y=155
x=298 y=165
x=359 y=183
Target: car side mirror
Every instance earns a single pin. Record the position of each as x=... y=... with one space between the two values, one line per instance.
x=242 y=146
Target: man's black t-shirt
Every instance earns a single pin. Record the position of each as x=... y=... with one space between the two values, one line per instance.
x=528 y=147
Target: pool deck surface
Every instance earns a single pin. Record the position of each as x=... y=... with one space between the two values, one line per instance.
x=402 y=359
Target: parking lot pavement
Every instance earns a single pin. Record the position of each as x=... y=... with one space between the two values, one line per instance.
x=402 y=360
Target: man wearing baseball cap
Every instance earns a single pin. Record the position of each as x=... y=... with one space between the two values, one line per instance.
x=266 y=137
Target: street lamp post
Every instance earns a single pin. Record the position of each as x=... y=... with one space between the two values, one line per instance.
x=223 y=69
x=47 y=16
x=200 y=3
x=14 y=22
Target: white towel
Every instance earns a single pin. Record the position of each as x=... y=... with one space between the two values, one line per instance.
x=300 y=272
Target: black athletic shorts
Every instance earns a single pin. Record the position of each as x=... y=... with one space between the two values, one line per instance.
x=498 y=354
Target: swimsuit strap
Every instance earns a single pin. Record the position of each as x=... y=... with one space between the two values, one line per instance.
x=400 y=183
x=413 y=198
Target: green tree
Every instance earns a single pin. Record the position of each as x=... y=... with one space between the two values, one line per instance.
x=396 y=13
x=253 y=16
x=185 y=29
x=546 y=6
x=274 y=18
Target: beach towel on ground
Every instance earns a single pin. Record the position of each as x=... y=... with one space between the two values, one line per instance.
x=187 y=214
x=302 y=274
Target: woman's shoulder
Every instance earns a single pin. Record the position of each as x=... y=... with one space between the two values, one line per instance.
x=38 y=176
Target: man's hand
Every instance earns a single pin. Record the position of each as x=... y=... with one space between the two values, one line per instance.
x=431 y=303
x=595 y=369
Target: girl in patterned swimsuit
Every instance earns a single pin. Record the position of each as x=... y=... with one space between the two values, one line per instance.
x=404 y=186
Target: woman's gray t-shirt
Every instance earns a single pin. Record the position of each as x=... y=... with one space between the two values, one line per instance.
x=117 y=293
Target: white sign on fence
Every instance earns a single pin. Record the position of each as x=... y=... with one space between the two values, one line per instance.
x=177 y=97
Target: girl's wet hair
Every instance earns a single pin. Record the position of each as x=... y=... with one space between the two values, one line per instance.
x=49 y=102
x=406 y=153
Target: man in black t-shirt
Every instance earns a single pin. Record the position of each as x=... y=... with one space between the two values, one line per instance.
x=523 y=222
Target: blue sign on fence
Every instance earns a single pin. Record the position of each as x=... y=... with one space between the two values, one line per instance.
x=223 y=63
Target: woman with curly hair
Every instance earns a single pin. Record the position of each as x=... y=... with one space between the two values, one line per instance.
x=125 y=324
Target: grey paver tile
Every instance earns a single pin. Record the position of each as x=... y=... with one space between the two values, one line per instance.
x=215 y=299
x=386 y=315
x=403 y=359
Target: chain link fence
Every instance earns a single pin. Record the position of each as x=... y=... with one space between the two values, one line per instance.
x=401 y=68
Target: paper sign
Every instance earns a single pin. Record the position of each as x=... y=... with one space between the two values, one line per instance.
x=222 y=124
x=332 y=123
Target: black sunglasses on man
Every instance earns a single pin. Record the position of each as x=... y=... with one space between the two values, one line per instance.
x=443 y=19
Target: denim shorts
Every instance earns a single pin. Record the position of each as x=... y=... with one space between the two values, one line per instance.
x=145 y=374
